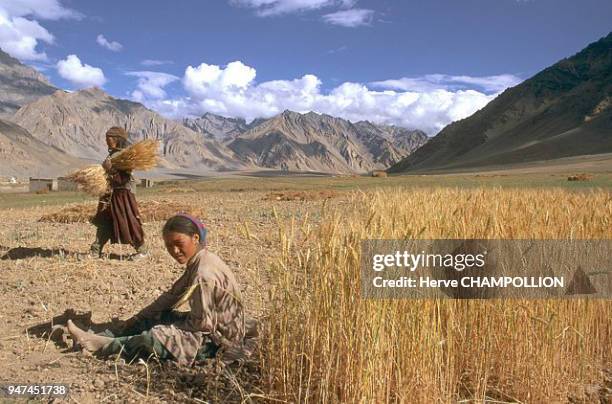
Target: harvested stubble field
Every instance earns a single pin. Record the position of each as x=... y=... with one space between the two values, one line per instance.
x=298 y=263
x=150 y=211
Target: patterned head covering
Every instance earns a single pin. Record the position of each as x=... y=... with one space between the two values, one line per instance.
x=199 y=225
x=117 y=131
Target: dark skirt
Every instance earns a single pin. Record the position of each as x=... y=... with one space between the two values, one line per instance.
x=127 y=227
x=122 y=215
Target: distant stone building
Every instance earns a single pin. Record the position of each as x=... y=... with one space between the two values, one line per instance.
x=43 y=184
x=146 y=183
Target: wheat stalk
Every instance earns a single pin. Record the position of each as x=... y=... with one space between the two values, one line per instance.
x=92 y=180
x=323 y=342
x=140 y=156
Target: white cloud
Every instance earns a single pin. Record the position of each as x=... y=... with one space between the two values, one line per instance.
x=81 y=75
x=20 y=36
x=429 y=111
x=350 y=18
x=337 y=50
x=151 y=85
x=44 y=9
x=430 y=82
x=110 y=45
x=155 y=62
x=490 y=83
x=207 y=79
x=266 y=8
x=233 y=91
x=347 y=3
x=346 y=16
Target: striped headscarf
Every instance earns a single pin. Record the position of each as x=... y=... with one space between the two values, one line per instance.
x=199 y=225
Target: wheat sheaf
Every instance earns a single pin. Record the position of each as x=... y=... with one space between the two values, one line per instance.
x=140 y=156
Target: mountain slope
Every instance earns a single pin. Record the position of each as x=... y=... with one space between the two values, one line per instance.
x=565 y=110
x=76 y=123
x=389 y=143
x=313 y=142
x=217 y=127
x=19 y=85
x=23 y=155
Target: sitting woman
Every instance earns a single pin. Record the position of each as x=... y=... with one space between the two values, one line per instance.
x=215 y=326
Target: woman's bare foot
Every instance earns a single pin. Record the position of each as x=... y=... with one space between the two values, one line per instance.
x=90 y=342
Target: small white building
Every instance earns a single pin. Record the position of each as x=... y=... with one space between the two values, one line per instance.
x=146 y=183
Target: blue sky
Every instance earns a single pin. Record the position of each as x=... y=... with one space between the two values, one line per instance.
x=411 y=63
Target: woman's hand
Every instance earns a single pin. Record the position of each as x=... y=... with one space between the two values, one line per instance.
x=107 y=164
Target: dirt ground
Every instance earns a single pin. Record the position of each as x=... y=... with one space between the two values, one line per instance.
x=42 y=282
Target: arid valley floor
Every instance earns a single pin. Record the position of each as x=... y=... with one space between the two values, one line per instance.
x=40 y=278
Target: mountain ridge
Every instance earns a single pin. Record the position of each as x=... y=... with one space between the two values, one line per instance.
x=320 y=142
x=24 y=155
x=562 y=111
x=19 y=85
x=76 y=122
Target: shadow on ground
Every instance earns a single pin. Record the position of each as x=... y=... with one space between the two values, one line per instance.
x=19 y=253
x=208 y=379
x=54 y=330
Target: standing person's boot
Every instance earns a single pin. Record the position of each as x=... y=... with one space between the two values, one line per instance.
x=141 y=252
x=103 y=235
x=95 y=251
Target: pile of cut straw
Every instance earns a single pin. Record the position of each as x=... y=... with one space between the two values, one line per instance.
x=150 y=211
x=140 y=156
x=92 y=180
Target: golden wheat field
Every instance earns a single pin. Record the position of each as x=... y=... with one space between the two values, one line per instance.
x=326 y=344
x=297 y=260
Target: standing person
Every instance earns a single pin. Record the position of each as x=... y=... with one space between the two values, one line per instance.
x=117 y=219
x=214 y=327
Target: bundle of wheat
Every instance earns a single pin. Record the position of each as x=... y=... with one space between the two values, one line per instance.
x=140 y=156
x=150 y=211
x=379 y=174
x=301 y=195
x=80 y=213
x=580 y=177
x=92 y=179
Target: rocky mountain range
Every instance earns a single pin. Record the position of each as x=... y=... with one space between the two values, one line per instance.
x=405 y=141
x=76 y=122
x=19 y=85
x=565 y=110
x=216 y=127
x=21 y=154
x=319 y=142
x=68 y=128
